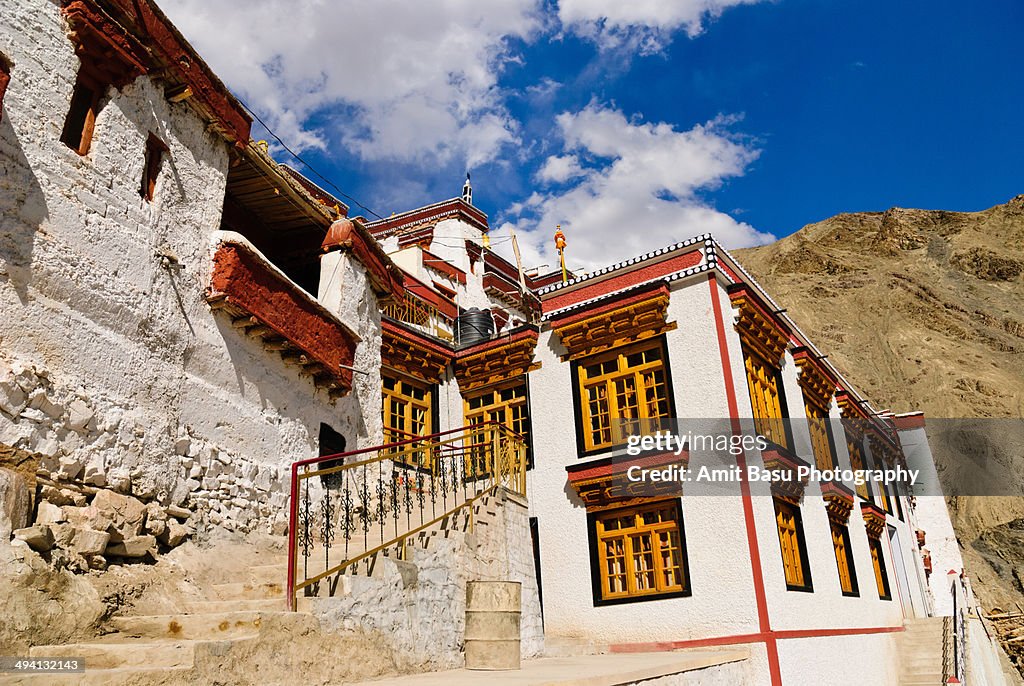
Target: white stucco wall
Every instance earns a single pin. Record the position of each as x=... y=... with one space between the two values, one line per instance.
x=85 y=300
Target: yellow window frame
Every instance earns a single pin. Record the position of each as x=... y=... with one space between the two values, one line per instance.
x=791 y=544
x=821 y=441
x=507 y=404
x=407 y=412
x=844 y=558
x=878 y=563
x=621 y=391
x=641 y=551
x=766 y=400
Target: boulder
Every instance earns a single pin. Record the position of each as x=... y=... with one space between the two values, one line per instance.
x=12 y=399
x=48 y=513
x=15 y=503
x=127 y=514
x=179 y=512
x=57 y=496
x=95 y=472
x=89 y=542
x=90 y=517
x=175 y=534
x=134 y=547
x=38 y=537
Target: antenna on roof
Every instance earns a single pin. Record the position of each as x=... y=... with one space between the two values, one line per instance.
x=467 y=191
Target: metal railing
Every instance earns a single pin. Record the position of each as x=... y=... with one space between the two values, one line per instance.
x=347 y=509
x=957 y=665
x=412 y=310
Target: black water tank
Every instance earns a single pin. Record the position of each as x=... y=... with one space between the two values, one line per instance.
x=474 y=325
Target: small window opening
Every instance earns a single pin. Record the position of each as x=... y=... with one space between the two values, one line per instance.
x=331 y=443
x=81 y=119
x=155 y=149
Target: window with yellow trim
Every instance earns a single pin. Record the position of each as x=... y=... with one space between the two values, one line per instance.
x=407 y=413
x=878 y=562
x=621 y=393
x=767 y=400
x=844 y=558
x=856 y=450
x=883 y=497
x=820 y=428
x=793 y=546
x=640 y=552
x=505 y=404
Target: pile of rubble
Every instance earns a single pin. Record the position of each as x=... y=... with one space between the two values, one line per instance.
x=81 y=527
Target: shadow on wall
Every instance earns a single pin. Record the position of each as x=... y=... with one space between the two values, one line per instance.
x=279 y=386
x=23 y=211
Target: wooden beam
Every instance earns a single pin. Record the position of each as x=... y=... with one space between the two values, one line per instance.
x=244 y=322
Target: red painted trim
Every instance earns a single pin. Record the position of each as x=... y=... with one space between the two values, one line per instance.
x=621 y=279
x=173 y=53
x=760 y=595
x=502 y=340
x=424 y=292
x=614 y=303
x=396 y=329
x=432 y=261
x=621 y=466
x=729 y=272
x=448 y=208
x=802 y=352
x=745 y=290
x=909 y=421
x=293 y=531
x=742 y=639
x=254 y=286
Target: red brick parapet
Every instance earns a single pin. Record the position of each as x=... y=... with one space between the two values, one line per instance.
x=266 y=303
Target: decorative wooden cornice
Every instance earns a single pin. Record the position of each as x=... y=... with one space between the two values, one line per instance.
x=106 y=49
x=817 y=384
x=621 y=321
x=496 y=360
x=411 y=353
x=446 y=209
x=790 y=487
x=838 y=501
x=874 y=519
x=759 y=330
x=605 y=483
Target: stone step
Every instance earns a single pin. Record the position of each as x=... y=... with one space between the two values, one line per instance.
x=269 y=574
x=101 y=677
x=119 y=652
x=215 y=625
x=238 y=605
x=242 y=590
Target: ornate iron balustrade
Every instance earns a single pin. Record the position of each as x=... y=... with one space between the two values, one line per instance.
x=347 y=509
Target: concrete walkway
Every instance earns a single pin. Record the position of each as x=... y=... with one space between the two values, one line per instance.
x=584 y=670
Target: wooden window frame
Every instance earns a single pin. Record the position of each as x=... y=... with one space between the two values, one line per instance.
x=878 y=563
x=583 y=420
x=819 y=426
x=90 y=102
x=795 y=539
x=152 y=164
x=393 y=434
x=5 y=79
x=855 y=448
x=484 y=413
x=597 y=535
x=767 y=394
x=844 y=559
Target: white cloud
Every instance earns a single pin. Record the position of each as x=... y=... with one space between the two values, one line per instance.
x=404 y=81
x=641 y=192
x=644 y=25
x=560 y=168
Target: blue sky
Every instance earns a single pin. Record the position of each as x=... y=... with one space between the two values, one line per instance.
x=635 y=124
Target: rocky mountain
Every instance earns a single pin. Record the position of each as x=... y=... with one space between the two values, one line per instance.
x=923 y=309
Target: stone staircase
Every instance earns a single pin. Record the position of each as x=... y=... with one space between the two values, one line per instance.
x=922 y=661
x=154 y=649
x=145 y=648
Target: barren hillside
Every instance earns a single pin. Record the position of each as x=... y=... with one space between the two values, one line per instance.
x=922 y=309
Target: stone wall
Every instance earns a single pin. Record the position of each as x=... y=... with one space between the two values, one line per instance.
x=112 y=365
x=418 y=607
